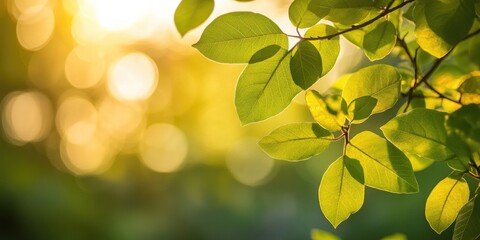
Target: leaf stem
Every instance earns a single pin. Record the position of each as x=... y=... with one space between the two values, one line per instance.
x=345 y=133
x=385 y=12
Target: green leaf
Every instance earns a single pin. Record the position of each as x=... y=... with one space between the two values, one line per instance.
x=385 y=167
x=396 y=236
x=347 y=16
x=468 y=220
x=470 y=90
x=380 y=81
x=428 y=40
x=345 y=4
x=418 y=163
x=445 y=201
x=235 y=37
x=328 y=48
x=361 y=108
x=462 y=153
x=303 y=14
x=191 y=13
x=319 y=111
x=306 y=65
x=379 y=42
x=317 y=234
x=296 y=141
x=465 y=123
x=341 y=191
x=420 y=132
x=450 y=19
x=265 y=88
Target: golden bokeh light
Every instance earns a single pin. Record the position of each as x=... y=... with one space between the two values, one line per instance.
x=163 y=148
x=26 y=116
x=91 y=157
x=120 y=119
x=77 y=120
x=84 y=67
x=248 y=164
x=133 y=77
x=35 y=27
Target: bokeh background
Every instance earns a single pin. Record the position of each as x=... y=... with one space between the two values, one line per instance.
x=114 y=127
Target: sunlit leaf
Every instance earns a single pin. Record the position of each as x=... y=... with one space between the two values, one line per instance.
x=341 y=191
x=445 y=201
x=380 y=81
x=470 y=90
x=361 y=108
x=317 y=234
x=319 y=111
x=465 y=123
x=418 y=163
x=306 y=65
x=265 y=88
x=384 y=166
x=191 y=13
x=396 y=236
x=303 y=14
x=420 y=132
x=450 y=19
x=296 y=141
x=379 y=42
x=328 y=48
x=235 y=37
x=345 y=4
x=468 y=220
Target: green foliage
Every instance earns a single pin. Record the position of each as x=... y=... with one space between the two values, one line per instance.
x=438 y=120
x=191 y=13
x=341 y=190
x=296 y=141
x=445 y=201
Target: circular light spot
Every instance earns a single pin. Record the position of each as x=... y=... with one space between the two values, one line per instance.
x=76 y=120
x=163 y=148
x=24 y=5
x=248 y=164
x=26 y=117
x=115 y=15
x=133 y=77
x=86 y=158
x=35 y=28
x=84 y=67
x=119 y=119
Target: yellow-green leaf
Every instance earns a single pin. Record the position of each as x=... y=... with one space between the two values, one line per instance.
x=319 y=111
x=317 y=234
x=379 y=42
x=468 y=220
x=445 y=201
x=361 y=108
x=296 y=141
x=191 y=13
x=385 y=167
x=341 y=191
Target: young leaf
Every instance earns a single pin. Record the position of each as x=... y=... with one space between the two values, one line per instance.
x=191 y=13
x=235 y=37
x=328 y=48
x=380 y=81
x=361 y=108
x=317 y=234
x=385 y=167
x=319 y=111
x=303 y=14
x=445 y=201
x=468 y=220
x=341 y=190
x=296 y=141
x=420 y=132
x=306 y=65
x=379 y=42
x=265 y=88
x=464 y=122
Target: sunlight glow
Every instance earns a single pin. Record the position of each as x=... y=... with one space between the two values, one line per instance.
x=26 y=117
x=84 y=67
x=86 y=158
x=163 y=148
x=248 y=164
x=35 y=27
x=133 y=77
x=76 y=120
